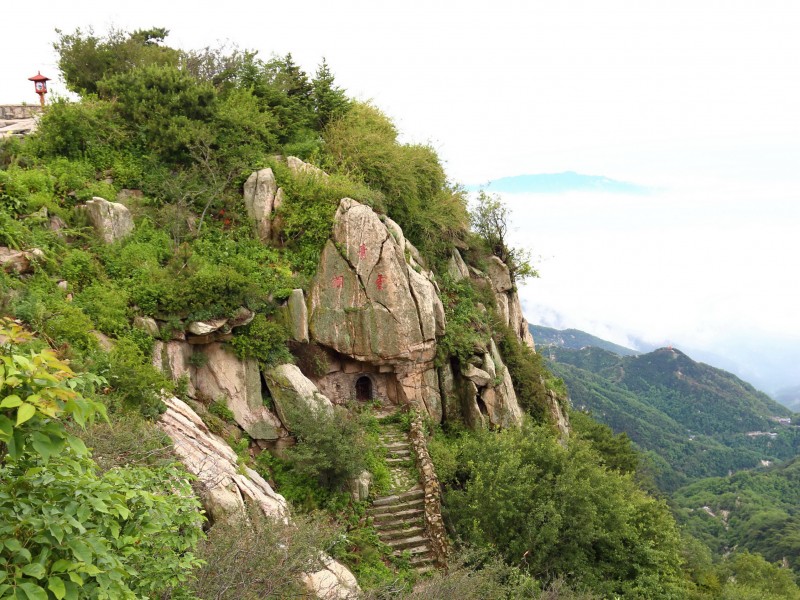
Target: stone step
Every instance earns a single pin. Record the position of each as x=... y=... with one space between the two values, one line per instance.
x=399 y=461
x=412 y=494
x=408 y=518
x=418 y=552
x=412 y=542
x=428 y=568
x=391 y=509
x=396 y=452
x=393 y=534
x=422 y=561
x=398 y=446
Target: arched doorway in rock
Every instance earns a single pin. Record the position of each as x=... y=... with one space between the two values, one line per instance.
x=364 y=389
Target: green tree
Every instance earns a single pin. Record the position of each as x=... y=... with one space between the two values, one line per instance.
x=556 y=512
x=85 y=59
x=330 y=101
x=490 y=220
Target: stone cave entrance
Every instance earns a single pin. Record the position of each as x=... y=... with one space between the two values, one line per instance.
x=364 y=389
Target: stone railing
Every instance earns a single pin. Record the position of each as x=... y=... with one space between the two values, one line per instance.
x=19 y=111
x=434 y=524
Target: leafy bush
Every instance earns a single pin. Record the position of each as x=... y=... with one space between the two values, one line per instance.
x=363 y=145
x=467 y=328
x=528 y=372
x=262 y=340
x=134 y=381
x=107 y=305
x=131 y=533
x=556 y=511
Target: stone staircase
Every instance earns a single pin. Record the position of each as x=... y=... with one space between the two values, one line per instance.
x=399 y=516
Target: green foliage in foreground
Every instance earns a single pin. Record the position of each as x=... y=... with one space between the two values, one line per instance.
x=557 y=511
x=68 y=531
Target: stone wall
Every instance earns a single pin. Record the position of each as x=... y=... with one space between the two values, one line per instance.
x=434 y=524
x=19 y=111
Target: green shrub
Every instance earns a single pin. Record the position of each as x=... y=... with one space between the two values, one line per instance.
x=221 y=410
x=262 y=340
x=80 y=268
x=241 y=563
x=558 y=512
x=528 y=372
x=131 y=534
x=467 y=328
x=107 y=305
x=135 y=382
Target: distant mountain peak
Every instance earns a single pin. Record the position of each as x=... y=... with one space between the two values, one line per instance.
x=557 y=183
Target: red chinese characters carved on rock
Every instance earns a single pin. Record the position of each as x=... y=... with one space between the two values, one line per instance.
x=362 y=251
x=338 y=281
x=380 y=281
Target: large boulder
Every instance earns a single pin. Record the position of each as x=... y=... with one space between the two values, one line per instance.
x=502 y=404
x=223 y=484
x=19 y=261
x=498 y=274
x=111 y=220
x=237 y=383
x=299 y=167
x=456 y=266
x=172 y=358
x=260 y=190
x=291 y=389
x=366 y=300
x=297 y=316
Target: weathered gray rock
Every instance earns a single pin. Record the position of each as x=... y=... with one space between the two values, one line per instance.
x=498 y=274
x=359 y=486
x=146 y=324
x=504 y=410
x=237 y=383
x=223 y=485
x=111 y=220
x=432 y=395
x=501 y=300
x=172 y=358
x=206 y=327
x=291 y=389
x=488 y=365
x=19 y=261
x=477 y=376
x=558 y=416
x=105 y=342
x=259 y=198
x=298 y=316
x=333 y=582
x=451 y=406
x=298 y=167
x=241 y=317
x=365 y=301
x=456 y=266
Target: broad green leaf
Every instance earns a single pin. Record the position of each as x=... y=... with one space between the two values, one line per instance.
x=11 y=401
x=76 y=578
x=77 y=444
x=80 y=550
x=13 y=545
x=56 y=585
x=33 y=591
x=60 y=565
x=34 y=570
x=24 y=413
x=6 y=428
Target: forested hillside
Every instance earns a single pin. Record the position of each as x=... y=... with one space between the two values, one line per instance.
x=238 y=316
x=696 y=421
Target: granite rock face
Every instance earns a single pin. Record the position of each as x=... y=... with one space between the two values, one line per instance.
x=367 y=302
x=237 y=383
x=111 y=220
x=224 y=487
x=260 y=191
x=289 y=389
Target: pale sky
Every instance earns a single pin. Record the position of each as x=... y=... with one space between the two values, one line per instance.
x=699 y=98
